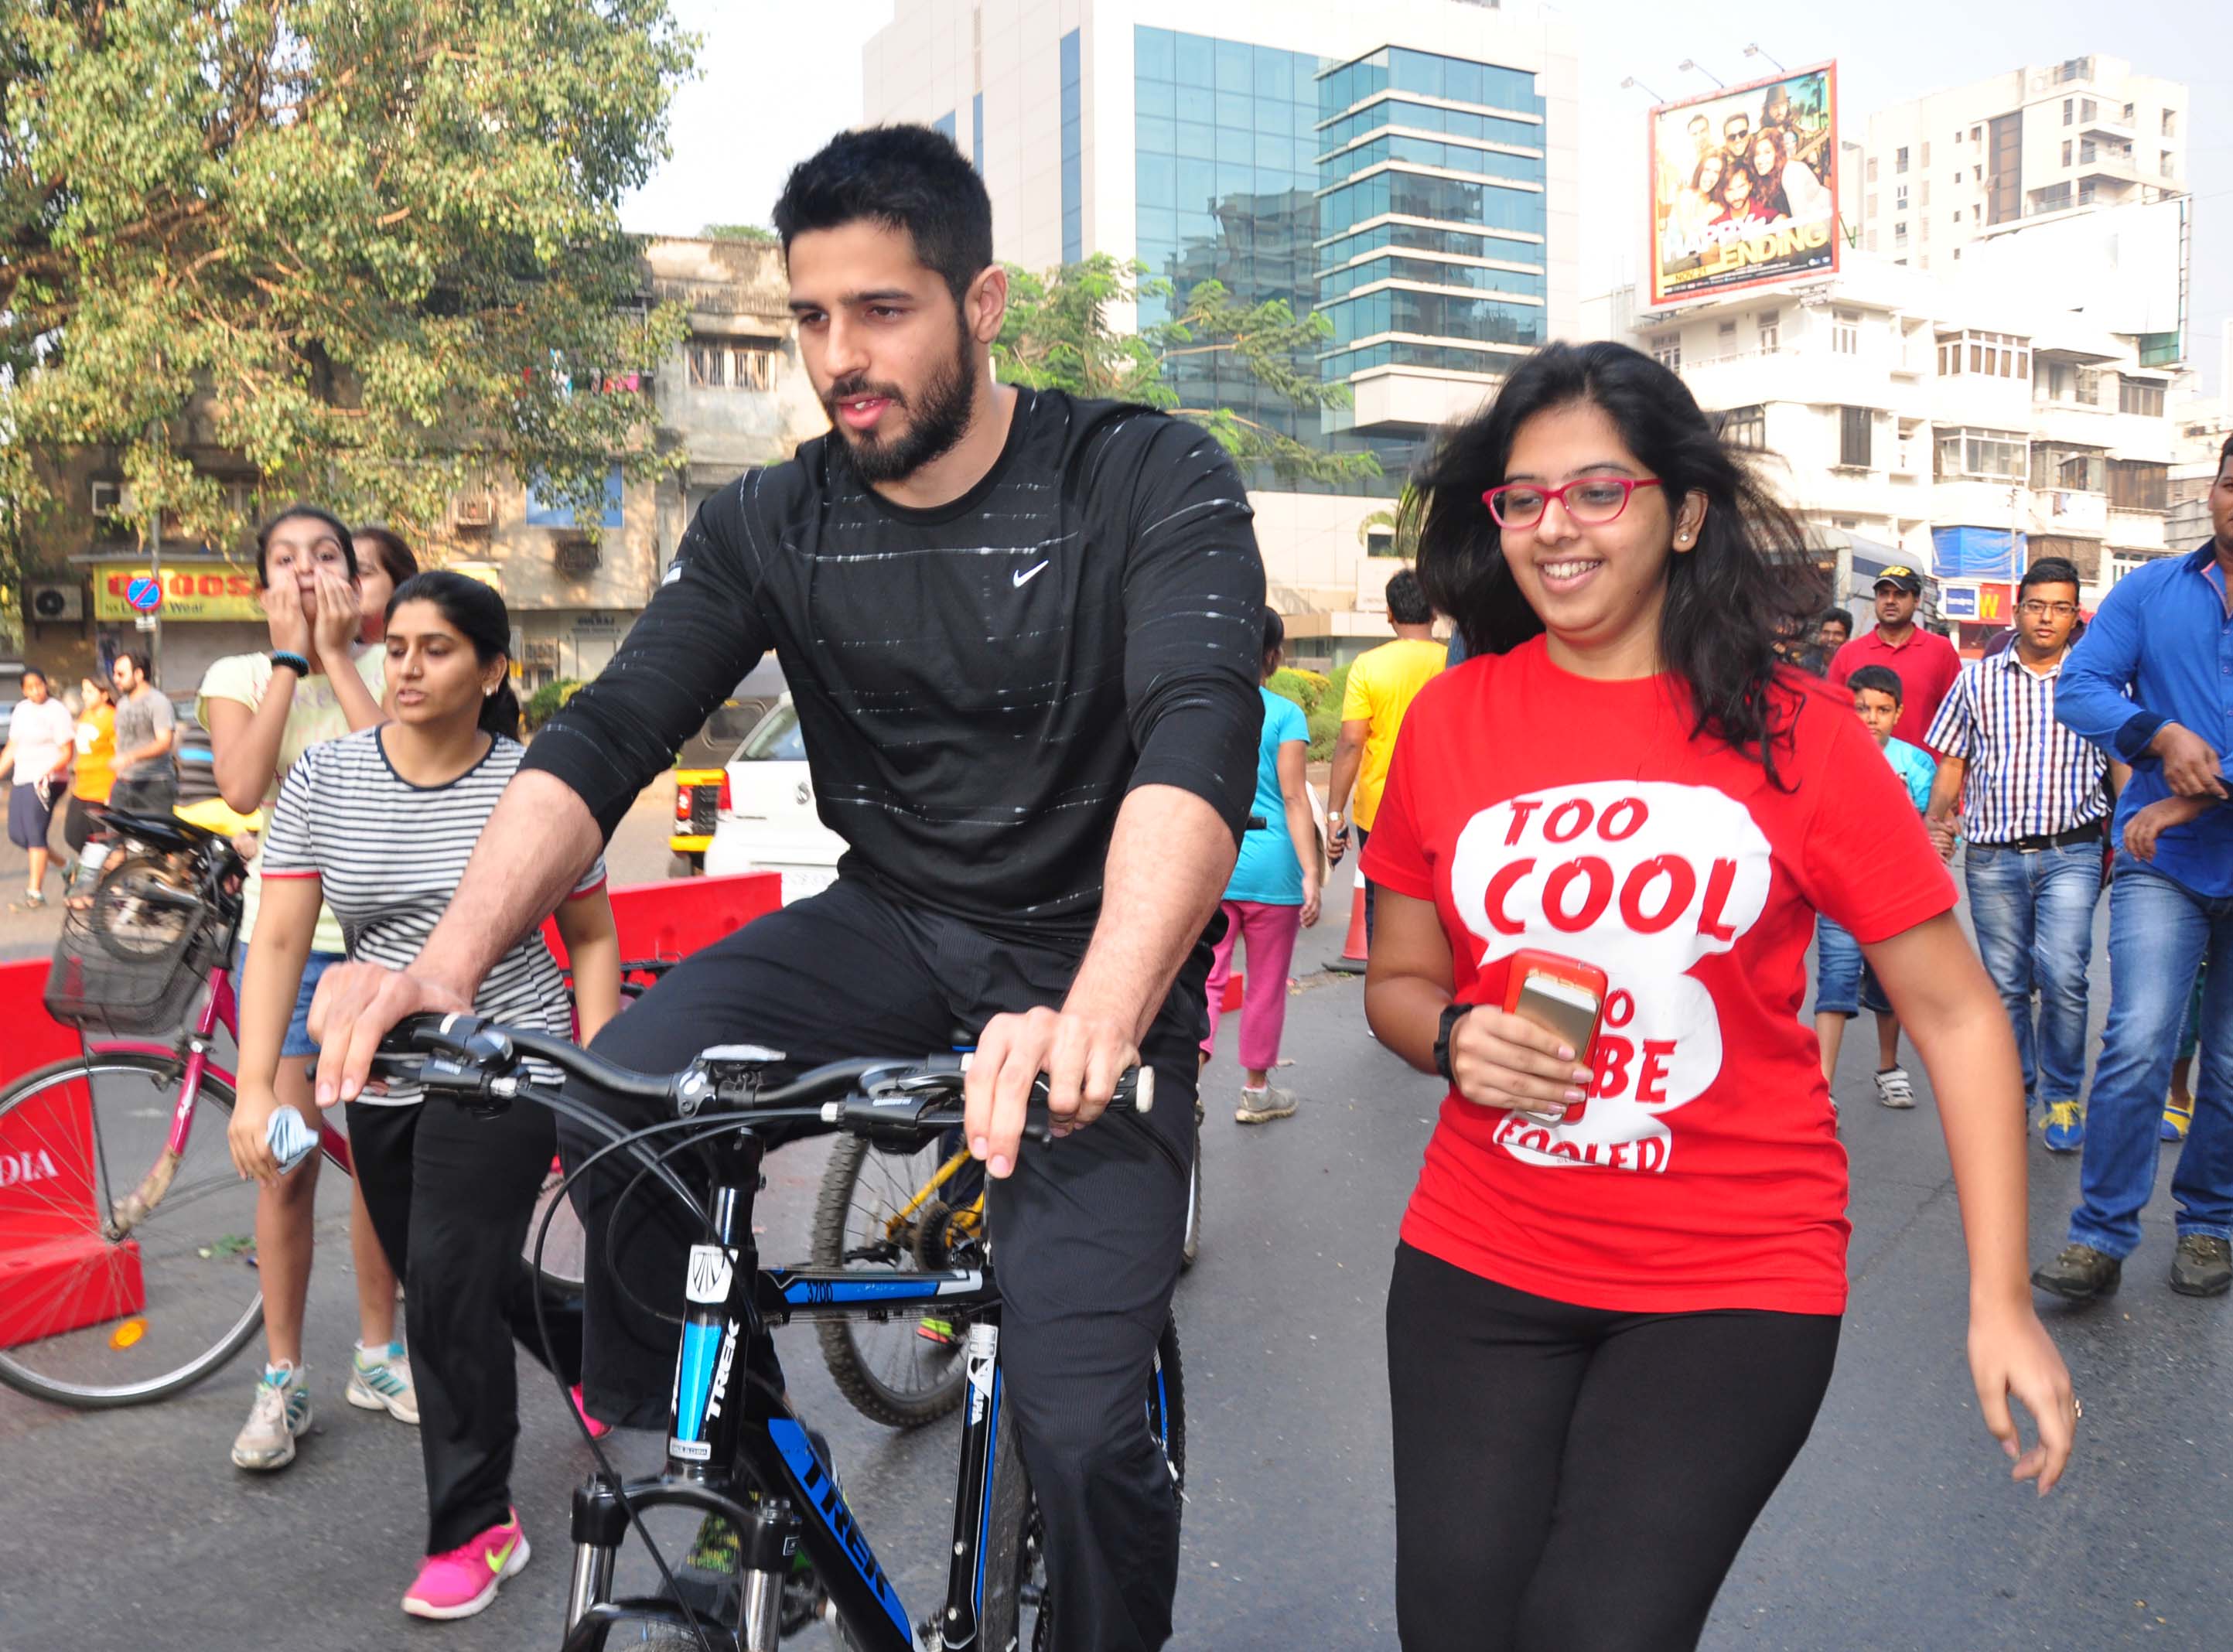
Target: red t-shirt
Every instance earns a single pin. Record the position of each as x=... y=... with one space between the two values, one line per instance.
x=1540 y=809
x=1926 y=665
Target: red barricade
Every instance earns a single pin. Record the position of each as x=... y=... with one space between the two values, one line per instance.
x=56 y=1272
x=675 y=919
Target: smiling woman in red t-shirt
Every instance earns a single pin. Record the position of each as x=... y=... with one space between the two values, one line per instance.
x=1617 y=1302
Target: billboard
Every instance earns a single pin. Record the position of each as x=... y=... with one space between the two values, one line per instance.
x=1744 y=186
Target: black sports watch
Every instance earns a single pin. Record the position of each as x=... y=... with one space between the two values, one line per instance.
x=1452 y=1014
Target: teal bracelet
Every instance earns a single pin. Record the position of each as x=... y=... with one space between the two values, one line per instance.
x=292 y=660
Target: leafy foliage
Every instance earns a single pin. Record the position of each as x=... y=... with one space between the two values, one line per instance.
x=368 y=247
x=759 y=234
x=1057 y=336
x=542 y=704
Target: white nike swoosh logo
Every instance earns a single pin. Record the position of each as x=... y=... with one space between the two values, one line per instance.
x=1029 y=574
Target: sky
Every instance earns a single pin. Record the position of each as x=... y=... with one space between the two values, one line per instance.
x=775 y=81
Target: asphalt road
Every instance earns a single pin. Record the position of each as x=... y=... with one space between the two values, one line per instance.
x=1897 y=1528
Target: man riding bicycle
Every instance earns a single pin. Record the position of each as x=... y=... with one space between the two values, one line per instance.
x=1021 y=630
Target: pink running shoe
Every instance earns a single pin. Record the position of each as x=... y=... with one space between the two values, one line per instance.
x=598 y=1430
x=464 y=1581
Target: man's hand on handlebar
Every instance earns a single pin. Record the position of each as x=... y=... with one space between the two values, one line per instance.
x=356 y=1007
x=1083 y=1056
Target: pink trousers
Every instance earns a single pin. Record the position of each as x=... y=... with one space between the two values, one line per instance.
x=1269 y=933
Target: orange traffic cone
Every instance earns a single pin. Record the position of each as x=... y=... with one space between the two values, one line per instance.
x=1352 y=961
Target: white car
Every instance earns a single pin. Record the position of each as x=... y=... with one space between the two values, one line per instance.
x=767 y=820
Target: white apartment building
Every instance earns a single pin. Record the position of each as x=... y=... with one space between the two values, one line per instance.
x=1945 y=171
x=1410 y=169
x=1949 y=424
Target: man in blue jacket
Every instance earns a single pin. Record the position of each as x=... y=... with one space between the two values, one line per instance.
x=2152 y=684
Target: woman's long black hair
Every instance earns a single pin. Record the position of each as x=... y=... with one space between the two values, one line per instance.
x=480 y=617
x=1749 y=577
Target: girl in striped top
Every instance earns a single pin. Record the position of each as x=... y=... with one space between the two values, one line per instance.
x=381 y=824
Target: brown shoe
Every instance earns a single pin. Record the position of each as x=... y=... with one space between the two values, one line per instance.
x=2081 y=1273
x=2202 y=1266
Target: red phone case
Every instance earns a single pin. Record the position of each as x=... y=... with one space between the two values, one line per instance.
x=1573 y=972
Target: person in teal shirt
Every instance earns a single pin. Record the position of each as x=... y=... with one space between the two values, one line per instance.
x=1844 y=985
x=1272 y=894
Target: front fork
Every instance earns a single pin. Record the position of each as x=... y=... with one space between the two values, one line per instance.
x=973 y=1492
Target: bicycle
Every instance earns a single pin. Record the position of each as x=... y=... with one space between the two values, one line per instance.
x=735 y=1448
x=141 y=1281
x=874 y=1208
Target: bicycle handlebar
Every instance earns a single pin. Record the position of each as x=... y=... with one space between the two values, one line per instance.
x=468 y=1058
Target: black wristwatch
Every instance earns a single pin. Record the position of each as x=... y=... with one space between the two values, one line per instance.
x=1452 y=1015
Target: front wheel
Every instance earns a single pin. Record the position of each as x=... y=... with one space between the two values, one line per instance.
x=1017 y=1610
x=115 y=1287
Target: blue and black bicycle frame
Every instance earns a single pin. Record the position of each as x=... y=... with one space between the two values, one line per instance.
x=736 y=1449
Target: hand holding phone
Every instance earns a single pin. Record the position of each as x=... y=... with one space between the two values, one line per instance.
x=1510 y=1059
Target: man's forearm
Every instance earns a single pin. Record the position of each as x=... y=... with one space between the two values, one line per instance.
x=537 y=844
x=1946 y=787
x=1169 y=863
x=1347 y=760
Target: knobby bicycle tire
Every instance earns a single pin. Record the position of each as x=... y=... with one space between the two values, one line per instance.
x=874 y=1397
x=163 y=1073
x=1014 y=1565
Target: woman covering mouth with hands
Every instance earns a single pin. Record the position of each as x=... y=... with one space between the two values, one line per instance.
x=1617 y=1302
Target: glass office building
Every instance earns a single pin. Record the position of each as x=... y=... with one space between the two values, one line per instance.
x=1431 y=213
x=1400 y=194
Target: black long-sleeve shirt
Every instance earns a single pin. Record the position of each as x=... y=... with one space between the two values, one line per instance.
x=979 y=686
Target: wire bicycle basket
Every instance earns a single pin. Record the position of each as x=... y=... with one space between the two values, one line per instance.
x=132 y=958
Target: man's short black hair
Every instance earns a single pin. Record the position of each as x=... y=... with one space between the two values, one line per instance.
x=2225 y=452
x=1407 y=603
x=1883 y=678
x=906 y=177
x=2051 y=570
x=1836 y=616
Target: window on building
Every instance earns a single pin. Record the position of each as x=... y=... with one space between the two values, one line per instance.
x=1728 y=331
x=1855 y=426
x=1745 y=427
x=1899 y=236
x=1899 y=199
x=1957 y=177
x=2088 y=151
x=2069 y=110
x=2129 y=112
x=720 y=364
x=1771 y=331
x=1924 y=162
x=2134 y=485
x=1846 y=327
x=2165 y=165
x=2139 y=396
x=1899 y=159
x=2171 y=123
x=1924 y=198
x=2085 y=385
x=2070 y=470
x=2089 y=109
x=1667 y=350
x=2066 y=152
x=1872 y=169
x=1871 y=214
x=1976 y=134
x=1986 y=455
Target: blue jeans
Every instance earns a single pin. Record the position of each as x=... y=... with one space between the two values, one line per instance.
x=2160 y=933
x=1843 y=983
x=2033 y=914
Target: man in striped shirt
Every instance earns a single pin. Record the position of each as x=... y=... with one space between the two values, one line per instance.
x=2039 y=801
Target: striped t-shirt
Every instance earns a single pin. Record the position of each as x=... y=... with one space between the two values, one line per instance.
x=390 y=856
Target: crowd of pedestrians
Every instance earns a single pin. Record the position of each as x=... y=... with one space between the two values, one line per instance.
x=1624 y=783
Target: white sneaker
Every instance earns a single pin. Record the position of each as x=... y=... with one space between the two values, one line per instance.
x=380 y=1381
x=280 y=1416
x=1893 y=1090
x=1259 y=1105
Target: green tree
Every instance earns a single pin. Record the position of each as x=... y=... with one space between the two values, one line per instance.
x=1057 y=336
x=1401 y=521
x=370 y=248
x=759 y=234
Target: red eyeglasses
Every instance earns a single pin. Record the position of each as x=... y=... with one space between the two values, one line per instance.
x=1593 y=501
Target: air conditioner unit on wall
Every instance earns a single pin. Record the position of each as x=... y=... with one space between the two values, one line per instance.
x=55 y=604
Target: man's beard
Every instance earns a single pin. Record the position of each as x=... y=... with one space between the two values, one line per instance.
x=936 y=423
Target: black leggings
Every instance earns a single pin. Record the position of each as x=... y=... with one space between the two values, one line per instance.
x=451 y=1195
x=1571 y=1477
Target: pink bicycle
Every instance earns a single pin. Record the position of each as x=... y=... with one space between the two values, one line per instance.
x=127 y=1239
